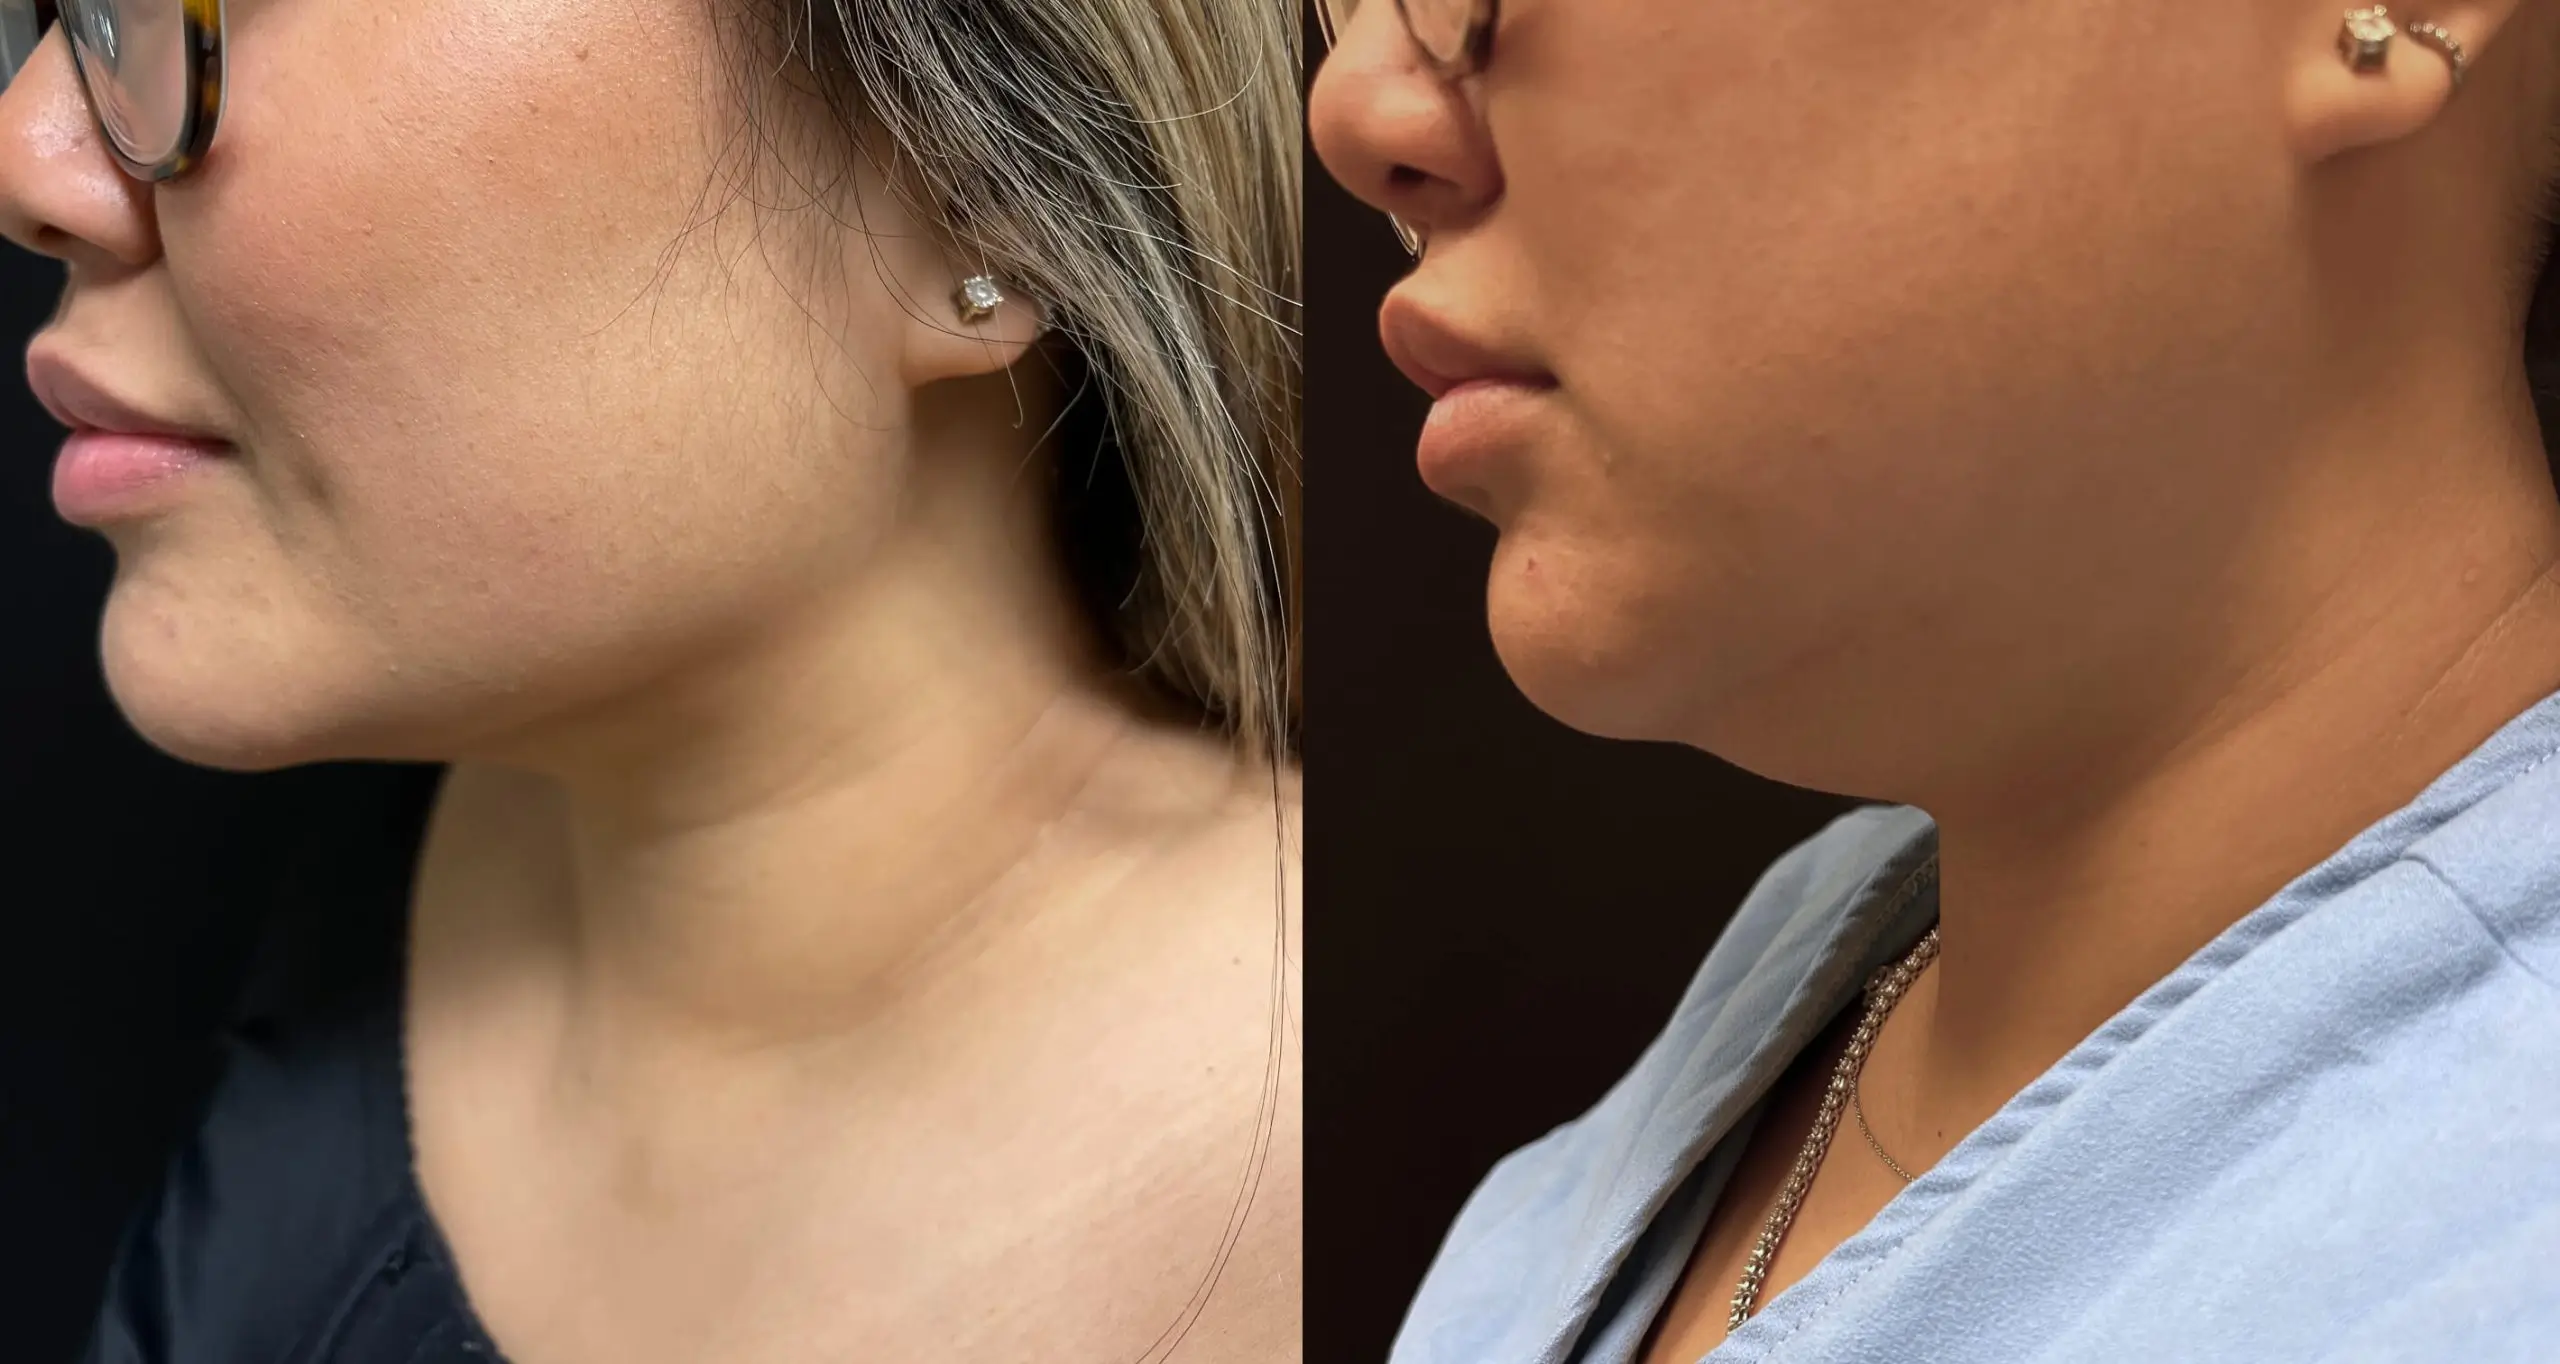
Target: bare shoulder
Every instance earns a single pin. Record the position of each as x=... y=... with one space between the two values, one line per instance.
x=1222 y=879
x=1254 y=1309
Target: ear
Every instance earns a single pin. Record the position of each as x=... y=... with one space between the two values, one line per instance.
x=945 y=336
x=2333 y=108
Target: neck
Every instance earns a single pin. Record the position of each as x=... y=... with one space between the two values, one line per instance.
x=2359 y=667
x=783 y=834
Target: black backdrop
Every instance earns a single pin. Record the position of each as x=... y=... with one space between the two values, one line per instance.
x=1500 y=912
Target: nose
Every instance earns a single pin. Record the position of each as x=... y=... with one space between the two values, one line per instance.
x=1395 y=133
x=62 y=194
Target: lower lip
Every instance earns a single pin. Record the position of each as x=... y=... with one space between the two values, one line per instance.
x=104 y=476
x=1469 y=423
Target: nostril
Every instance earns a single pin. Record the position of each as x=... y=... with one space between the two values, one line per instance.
x=1405 y=179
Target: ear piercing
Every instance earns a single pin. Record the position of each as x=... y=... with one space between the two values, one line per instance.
x=2364 y=39
x=2433 y=35
x=977 y=298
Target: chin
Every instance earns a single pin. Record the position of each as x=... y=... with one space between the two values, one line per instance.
x=206 y=738
x=221 y=701
x=1584 y=647
x=1611 y=650
x=212 y=728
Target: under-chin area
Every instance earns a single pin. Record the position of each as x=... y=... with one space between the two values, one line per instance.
x=1570 y=627
x=227 y=690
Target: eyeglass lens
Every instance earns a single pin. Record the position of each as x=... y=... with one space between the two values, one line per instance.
x=1441 y=28
x=22 y=26
x=133 y=58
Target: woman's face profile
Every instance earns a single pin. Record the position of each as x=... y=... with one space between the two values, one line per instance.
x=1820 y=319
x=545 y=350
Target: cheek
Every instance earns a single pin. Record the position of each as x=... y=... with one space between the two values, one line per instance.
x=1649 y=590
x=527 y=402
x=1848 y=306
x=414 y=599
x=434 y=270
x=1867 y=226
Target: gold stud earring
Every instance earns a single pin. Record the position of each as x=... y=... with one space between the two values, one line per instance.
x=977 y=298
x=2433 y=35
x=2364 y=39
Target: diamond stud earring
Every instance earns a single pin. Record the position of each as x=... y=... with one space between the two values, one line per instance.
x=977 y=298
x=2364 y=39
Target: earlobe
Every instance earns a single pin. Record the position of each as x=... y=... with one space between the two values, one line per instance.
x=976 y=324
x=2363 y=78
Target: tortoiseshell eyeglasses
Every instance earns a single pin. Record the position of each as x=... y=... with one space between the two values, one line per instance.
x=152 y=70
x=1455 y=36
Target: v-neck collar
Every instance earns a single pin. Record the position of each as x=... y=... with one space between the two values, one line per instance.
x=1628 y=1196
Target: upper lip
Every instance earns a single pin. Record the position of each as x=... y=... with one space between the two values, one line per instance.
x=1437 y=357
x=81 y=403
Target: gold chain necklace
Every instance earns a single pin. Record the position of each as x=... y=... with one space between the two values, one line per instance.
x=1884 y=990
x=1858 y=1110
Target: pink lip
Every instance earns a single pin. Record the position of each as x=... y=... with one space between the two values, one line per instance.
x=81 y=403
x=119 y=459
x=107 y=476
x=1468 y=425
x=1437 y=356
x=1482 y=397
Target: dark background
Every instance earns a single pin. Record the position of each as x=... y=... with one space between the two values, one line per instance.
x=1501 y=912
x=132 y=889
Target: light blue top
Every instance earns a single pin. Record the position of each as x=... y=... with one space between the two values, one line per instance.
x=2332 y=1134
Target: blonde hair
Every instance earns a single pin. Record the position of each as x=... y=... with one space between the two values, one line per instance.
x=1135 y=166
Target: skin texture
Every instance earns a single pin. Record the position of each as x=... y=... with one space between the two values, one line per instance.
x=807 y=907
x=2101 y=425
x=903 y=1133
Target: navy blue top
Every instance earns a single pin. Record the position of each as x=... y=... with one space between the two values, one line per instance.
x=290 y=1228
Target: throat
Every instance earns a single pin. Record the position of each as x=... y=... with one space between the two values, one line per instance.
x=799 y=918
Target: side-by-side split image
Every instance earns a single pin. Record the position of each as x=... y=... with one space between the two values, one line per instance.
x=676 y=695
